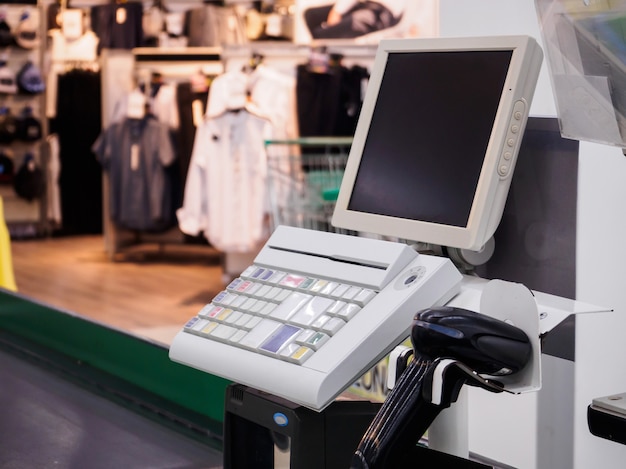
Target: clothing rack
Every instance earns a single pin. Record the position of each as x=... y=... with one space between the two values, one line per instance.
x=119 y=67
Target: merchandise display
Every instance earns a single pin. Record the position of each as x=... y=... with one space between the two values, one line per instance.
x=22 y=131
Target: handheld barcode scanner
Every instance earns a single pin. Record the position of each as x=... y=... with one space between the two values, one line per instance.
x=452 y=347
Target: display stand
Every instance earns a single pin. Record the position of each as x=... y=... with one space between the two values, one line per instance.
x=25 y=217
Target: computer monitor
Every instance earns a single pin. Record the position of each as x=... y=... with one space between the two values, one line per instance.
x=437 y=138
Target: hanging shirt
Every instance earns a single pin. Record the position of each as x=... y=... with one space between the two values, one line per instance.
x=135 y=152
x=162 y=105
x=64 y=52
x=225 y=194
x=118 y=25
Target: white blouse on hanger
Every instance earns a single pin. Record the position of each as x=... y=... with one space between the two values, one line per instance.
x=225 y=194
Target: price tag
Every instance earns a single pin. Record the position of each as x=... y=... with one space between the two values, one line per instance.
x=120 y=15
x=274 y=25
x=72 y=23
x=134 y=157
x=197 y=111
x=136 y=105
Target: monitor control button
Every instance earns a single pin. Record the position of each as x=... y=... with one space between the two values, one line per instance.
x=503 y=170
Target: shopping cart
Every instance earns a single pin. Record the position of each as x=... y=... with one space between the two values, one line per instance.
x=304 y=176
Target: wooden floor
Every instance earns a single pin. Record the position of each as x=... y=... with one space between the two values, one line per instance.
x=152 y=292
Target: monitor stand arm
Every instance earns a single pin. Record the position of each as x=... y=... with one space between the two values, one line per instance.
x=465 y=260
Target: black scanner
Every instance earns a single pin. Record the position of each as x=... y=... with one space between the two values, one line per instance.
x=465 y=344
x=487 y=345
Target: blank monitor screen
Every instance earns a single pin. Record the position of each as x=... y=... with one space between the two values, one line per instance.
x=410 y=124
x=437 y=138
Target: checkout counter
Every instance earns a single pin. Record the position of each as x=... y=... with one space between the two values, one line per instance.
x=81 y=394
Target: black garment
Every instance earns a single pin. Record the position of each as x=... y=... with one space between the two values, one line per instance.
x=187 y=130
x=328 y=104
x=78 y=125
x=112 y=32
x=363 y=18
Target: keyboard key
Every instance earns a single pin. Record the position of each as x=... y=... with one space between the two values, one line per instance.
x=267 y=309
x=336 y=307
x=273 y=293
x=243 y=320
x=252 y=288
x=191 y=323
x=209 y=328
x=333 y=325
x=308 y=283
x=311 y=311
x=257 y=273
x=237 y=336
x=290 y=306
x=348 y=311
x=243 y=286
x=254 y=320
x=229 y=298
x=266 y=275
x=259 y=334
x=292 y=281
x=219 y=297
x=224 y=314
x=258 y=306
x=279 y=338
x=328 y=288
x=223 y=332
x=301 y=355
x=351 y=292
x=277 y=277
x=364 y=296
x=196 y=325
x=248 y=304
x=312 y=339
x=210 y=311
x=282 y=295
x=249 y=270
x=234 y=284
x=237 y=302
x=288 y=350
x=320 y=321
x=264 y=290
x=319 y=285
x=233 y=317
x=341 y=289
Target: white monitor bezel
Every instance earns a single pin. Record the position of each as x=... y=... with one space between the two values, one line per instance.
x=492 y=189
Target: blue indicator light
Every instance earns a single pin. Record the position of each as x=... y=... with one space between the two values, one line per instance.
x=281 y=419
